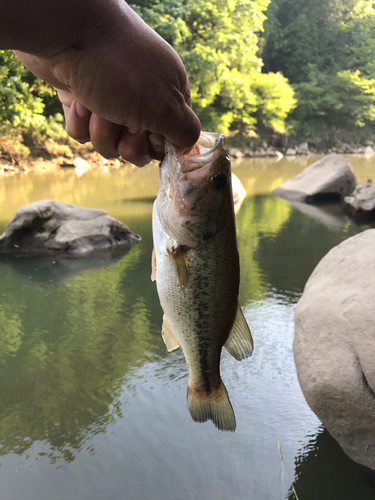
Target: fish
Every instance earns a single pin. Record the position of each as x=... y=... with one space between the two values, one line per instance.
x=195 y=264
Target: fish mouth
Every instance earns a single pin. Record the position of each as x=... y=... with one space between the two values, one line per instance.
x=209 y=146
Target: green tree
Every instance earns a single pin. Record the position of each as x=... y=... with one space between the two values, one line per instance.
x=325 y=48
x=18 y=104
x=218 y=44
x=335 y=107
x=30 y=113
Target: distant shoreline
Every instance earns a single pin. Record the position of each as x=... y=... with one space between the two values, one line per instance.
x=304 y=149
x=93 y=159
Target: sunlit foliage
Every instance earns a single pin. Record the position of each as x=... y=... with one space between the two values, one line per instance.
x=218 y=43
x=326 y=50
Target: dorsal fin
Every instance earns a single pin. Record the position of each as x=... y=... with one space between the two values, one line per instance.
x=168 y=336
x=240 y=342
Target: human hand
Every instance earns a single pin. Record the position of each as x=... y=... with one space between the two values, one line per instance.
x=122 y=87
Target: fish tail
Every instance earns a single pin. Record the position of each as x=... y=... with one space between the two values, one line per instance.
x=214 y=406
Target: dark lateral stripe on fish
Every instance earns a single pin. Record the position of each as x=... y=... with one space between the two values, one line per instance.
x=203 y=347
x=203 y=341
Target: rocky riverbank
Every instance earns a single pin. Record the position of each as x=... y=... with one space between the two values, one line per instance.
x=302 y=149
x=91 y=159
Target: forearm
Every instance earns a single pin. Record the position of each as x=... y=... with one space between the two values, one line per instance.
x=48 y=27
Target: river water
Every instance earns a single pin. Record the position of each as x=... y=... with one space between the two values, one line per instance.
x=91 y=404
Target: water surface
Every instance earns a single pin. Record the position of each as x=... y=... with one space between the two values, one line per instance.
x=91 y=404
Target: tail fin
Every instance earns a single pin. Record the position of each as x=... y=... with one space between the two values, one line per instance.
x=214 y=406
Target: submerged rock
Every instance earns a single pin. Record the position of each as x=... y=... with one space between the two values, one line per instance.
x=334 y=345
x=49 y=226
x=330 y=178
x=362 y=201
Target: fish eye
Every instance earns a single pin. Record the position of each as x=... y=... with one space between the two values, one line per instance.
x=219 y=181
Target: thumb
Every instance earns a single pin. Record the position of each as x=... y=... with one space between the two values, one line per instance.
x=183 y=128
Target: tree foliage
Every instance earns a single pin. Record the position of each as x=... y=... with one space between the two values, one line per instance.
x=218 y=44
x=23 y=96
x=310 y=73
x=326 y=49
x=30 y=113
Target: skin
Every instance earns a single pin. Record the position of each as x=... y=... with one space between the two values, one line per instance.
x=121 y=85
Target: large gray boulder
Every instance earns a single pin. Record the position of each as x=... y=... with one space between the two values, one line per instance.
x=334 y=345
x=49 y=227
x=362 y=201
x=332 y=177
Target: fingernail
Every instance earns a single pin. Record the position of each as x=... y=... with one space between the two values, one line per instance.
x=81 y=110
x=133 y=130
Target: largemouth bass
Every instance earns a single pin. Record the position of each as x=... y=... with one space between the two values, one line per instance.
x=196 y=267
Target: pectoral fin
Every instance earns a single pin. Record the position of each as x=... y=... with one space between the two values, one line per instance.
x=240 y=342
x=153 y=265
x=178 y=257
x=168 y=336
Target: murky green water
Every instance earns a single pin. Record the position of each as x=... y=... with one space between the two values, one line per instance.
x=91 y=404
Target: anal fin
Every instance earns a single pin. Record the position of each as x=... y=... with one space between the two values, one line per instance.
x=240 y=343
x=168 y=336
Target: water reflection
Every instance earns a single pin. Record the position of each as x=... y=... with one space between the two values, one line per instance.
x=48 y=271
x=324 y=472
x=289 y=256
x=84 y=373
x=331 y=215
x=280 y=245
x=259 y=215
x=66 y=354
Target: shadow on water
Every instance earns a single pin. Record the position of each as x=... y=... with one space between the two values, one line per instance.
x=329 y=214
x=68 y=352
x=50 y=270
x=324 y=472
